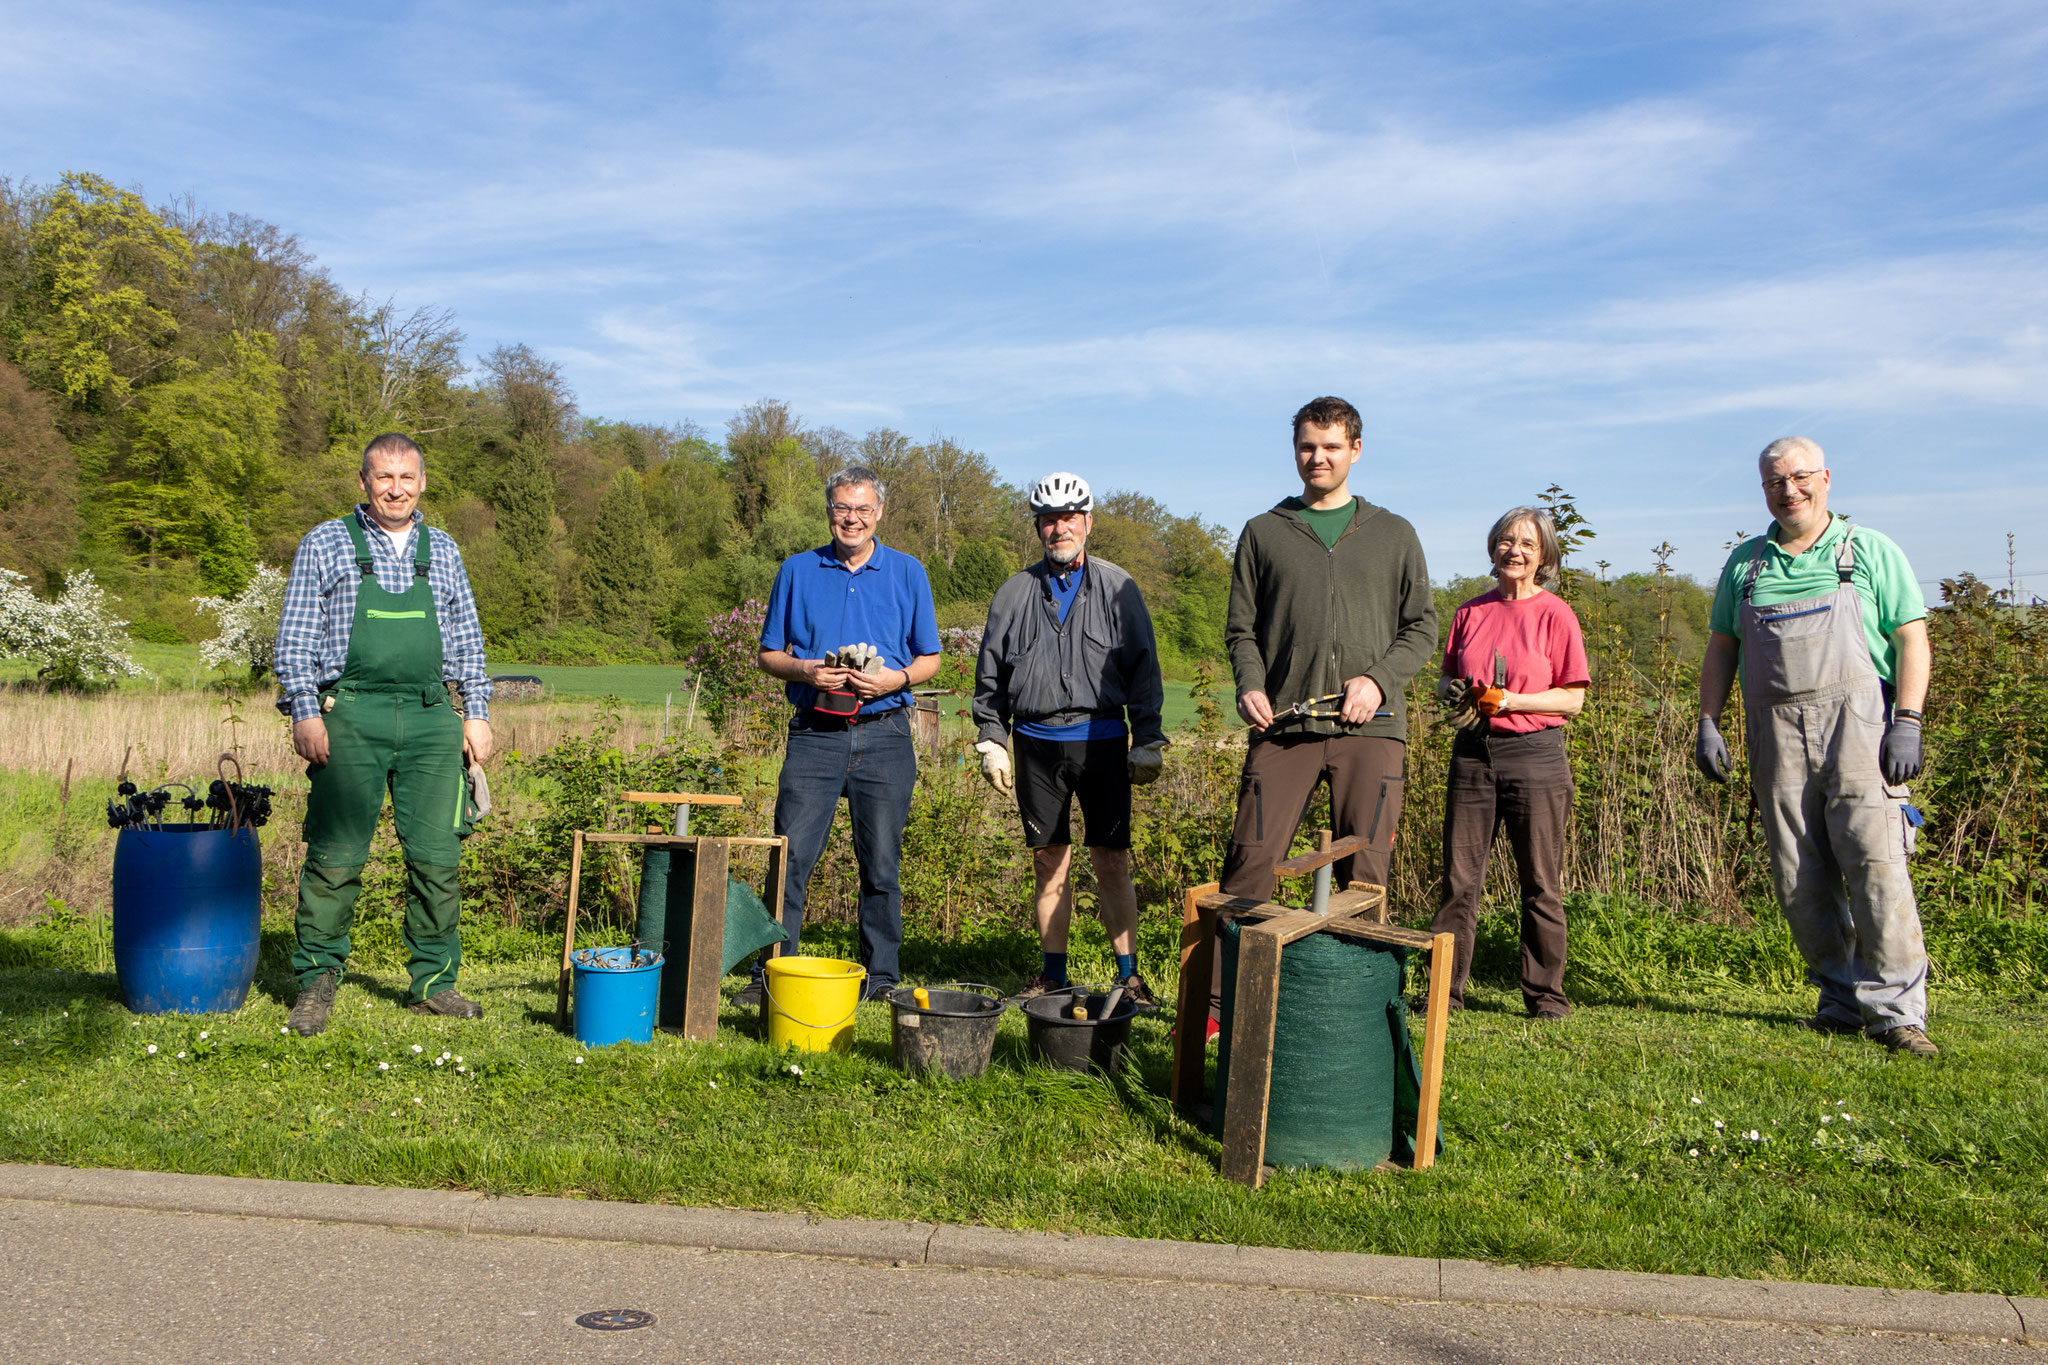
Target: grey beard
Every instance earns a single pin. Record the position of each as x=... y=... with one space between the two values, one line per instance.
x=1063 y=559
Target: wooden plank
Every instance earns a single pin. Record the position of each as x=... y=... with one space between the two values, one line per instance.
x=1252 y=1017
x=773 y=886
x=707 y=940
x=680 y=798
x=1434 y=1024
x=683 y=840
x=1380 y=914
x=1240 y=907
x=1380 y=933
x=1347 y=904
x=1322 y=857
x=1185 y=1082
x=569 y=932
x=1292 y=926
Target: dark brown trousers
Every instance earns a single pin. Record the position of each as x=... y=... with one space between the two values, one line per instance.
x=1280 y=775
x=1523 y=782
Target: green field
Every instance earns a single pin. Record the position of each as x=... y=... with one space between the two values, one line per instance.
x=653 y=684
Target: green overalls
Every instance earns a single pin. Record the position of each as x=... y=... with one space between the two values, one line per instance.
x=390 y=725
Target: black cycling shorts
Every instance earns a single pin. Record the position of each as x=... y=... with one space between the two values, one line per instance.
x=1051 y=771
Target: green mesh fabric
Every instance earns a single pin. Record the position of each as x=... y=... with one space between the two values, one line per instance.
x=664 y=917
x=1346 y=1084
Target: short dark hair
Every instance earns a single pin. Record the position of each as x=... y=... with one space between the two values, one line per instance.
x=1327 y=412
x=392 y=443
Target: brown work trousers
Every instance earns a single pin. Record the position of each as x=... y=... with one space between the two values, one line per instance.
x=1525 y=783
x=1280 y=775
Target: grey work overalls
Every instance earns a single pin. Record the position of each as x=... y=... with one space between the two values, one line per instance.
x=1837 y=834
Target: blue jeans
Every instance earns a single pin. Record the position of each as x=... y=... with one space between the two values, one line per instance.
x=874 y=767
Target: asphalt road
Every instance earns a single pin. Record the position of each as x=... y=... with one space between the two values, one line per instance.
x=106 y=1285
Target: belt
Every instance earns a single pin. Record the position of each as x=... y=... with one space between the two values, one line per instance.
x=817 y=720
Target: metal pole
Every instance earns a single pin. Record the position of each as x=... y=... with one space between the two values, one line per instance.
x=1321 y=903
x=666 y=703
x=682 y=820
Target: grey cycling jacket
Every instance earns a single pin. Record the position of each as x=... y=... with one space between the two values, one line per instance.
x=1102 y=662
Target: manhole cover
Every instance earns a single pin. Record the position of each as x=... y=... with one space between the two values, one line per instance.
x=615 y=1320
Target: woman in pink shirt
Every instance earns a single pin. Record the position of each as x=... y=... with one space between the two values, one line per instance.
x=1516 y=656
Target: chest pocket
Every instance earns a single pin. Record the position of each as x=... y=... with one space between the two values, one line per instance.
x=1792 y=647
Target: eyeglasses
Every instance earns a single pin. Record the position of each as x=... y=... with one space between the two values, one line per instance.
x=1798 y=478
x=847 y=509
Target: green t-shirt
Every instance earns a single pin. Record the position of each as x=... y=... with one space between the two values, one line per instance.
x=1883 y=579
x=1329 y=523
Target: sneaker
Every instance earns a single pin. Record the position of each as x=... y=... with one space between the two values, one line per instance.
x=1139 y=994
x=449 y=1005
x=751 y=996
x=1909 y=1038
x=1037 y=986
x=875 y=990
x=1551 y=1014
x=1820 y=1023
x=314 y=1003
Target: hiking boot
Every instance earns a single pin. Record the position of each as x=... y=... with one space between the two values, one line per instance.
x=1037 y=986
x=1820 y=1023
x=449 y=1005
x=751 y=996
x=314 y=1003
x=1909 y=1038
x=1139 y=994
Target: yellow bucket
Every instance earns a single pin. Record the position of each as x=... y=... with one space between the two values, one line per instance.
x=811 y=1002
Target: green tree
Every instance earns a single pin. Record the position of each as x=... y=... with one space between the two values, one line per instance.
x=622 y=565
x=103 y=274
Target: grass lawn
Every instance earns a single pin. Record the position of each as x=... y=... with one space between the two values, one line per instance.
x=1692 y=1132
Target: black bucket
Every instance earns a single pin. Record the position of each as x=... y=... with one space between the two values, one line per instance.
x=1055 y=1037
x=954 y=1032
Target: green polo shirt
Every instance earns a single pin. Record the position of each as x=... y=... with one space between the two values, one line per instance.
x=1891 y=595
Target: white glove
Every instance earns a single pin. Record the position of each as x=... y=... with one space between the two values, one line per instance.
x=1145 y=763
x=995 y=766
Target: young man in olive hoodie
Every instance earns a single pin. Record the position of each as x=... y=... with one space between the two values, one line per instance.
x=1330 y=616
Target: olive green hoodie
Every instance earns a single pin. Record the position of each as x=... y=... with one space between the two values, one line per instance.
x=1304 y=619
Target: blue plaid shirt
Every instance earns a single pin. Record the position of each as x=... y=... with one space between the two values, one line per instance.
x=320 y=610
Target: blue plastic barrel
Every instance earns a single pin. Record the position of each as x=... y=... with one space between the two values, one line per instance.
x=615 y=1003
x=187 y=917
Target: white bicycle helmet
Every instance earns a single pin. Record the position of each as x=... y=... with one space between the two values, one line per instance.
x=1062 y=492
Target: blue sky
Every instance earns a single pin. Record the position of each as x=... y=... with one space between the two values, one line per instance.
x=1616 y=247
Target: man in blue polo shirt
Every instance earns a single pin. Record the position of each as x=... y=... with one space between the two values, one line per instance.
x=853 y=590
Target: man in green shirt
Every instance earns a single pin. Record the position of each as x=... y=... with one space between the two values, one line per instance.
x=1330 y=615
x=1827 y=628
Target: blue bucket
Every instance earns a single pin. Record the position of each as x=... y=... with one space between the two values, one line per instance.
x=187 y=918
x=615 y=1002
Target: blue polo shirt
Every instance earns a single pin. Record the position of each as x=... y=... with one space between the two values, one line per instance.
x=818 y=605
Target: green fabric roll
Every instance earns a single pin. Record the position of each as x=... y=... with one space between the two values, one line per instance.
x=1346 y=1083
x=663 y=918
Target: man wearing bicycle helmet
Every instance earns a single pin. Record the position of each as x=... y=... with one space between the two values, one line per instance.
x=1068 y=662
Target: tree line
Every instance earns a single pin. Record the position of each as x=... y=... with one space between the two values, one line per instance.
x=183 y=394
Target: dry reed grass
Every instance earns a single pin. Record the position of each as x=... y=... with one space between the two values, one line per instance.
x=179 y=735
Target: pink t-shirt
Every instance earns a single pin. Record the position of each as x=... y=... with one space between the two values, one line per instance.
x=1538 y=637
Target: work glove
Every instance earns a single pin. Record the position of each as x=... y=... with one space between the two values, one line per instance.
x=1464 y=705
x=1145 y=763
x=861 y=658
x=1710 y=751
x=1486 y=700
x=995 y=766
x=1898 y=757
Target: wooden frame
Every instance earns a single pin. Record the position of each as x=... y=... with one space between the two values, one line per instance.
x=703 y=960
x=1359 y=911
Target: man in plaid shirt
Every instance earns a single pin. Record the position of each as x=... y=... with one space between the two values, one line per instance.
x=378 y=620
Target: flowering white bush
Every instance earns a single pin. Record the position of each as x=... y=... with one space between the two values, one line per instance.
x=248 y=624
x=75 y=642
